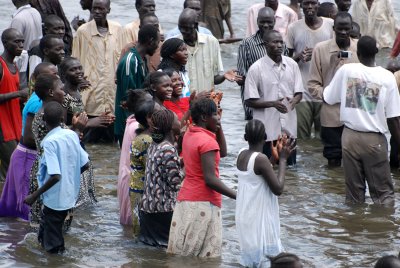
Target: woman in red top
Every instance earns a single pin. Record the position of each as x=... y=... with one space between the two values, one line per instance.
x=196 y=227
x=178 y=104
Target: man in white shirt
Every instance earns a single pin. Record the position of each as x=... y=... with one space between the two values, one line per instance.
x=302 y=37
x=273 y=97
x=284 y=16
x=369 y=107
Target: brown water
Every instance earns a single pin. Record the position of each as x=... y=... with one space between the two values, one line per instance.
x=316 y=224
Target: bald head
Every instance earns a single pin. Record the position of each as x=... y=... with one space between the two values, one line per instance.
x=188 y=15
x=10 y=34
x=107 y=3
x=265 y=19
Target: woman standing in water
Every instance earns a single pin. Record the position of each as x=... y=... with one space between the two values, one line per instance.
x=196 y=228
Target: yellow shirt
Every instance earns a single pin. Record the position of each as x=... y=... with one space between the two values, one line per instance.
x=99 y=56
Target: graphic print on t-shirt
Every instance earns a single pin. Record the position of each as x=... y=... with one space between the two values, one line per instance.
x=361 y=94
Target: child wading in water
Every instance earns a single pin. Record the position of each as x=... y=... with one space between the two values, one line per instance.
x=61 y=164
x=257 y=208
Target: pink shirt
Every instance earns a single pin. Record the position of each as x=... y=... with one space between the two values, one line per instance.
x=284 y=16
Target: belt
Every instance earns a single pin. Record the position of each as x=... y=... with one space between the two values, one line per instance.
x=22 y=148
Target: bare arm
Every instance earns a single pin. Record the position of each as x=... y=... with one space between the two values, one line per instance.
x=28 y=139
x=30 y=199
x=394 y=128
x=263 y=167
x=223 y=151
x=260 y=104
x=208 y=167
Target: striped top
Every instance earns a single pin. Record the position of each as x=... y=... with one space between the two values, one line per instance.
x=251 y=49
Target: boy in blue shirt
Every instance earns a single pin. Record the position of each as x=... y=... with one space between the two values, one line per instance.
x=62 y=162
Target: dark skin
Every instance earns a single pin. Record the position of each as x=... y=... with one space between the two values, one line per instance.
x=343 y=5
x=212 y=123
x=55 y=54
x=20 y=3
x=274 y=44
x=13 y=45
x=265 y=22
x=148 y=6
x=74 y=81
x=263 y=167
x=310 y=9
x=188 y=27
x=100 y=10
x=30 y=199
x=342 y=28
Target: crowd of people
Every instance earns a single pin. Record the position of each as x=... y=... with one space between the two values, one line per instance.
x=305 y=70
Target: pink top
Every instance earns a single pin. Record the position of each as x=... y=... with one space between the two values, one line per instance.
x=196 y=142
x=124 y=173
x=284 y=16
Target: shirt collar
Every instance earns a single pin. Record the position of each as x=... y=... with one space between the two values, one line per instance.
x=93 y=28
x=51 y=132
x=335 y=48
x=201 y=38
x=272 y=63
x=20 y=9
x=257 y=38
x=200 y=129
x=279 y=11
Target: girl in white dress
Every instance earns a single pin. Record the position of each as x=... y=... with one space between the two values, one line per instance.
x=257 y=208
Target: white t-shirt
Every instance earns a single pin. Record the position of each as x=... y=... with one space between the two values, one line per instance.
x=367 y=96
x=299 y=37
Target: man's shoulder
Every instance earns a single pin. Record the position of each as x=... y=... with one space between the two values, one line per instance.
x=114 y=24
x=323 y=44
x=287 y=10
x=206 y=38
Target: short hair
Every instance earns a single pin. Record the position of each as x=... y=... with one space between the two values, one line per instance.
x=163 y=121
x=53 y=113
x=43 y=84
x=147 y=33
x=153 y=79
x=343 y=15
x=366 y=46
x=134 y=97
x=185 y=3
x=147 y=15
x=324 y=9
x=63 y=67
x=108 y=2
x=170 y=71
x=389 y=261
x=142 y=111
x=48 y=20
x=284 y=259
x=202 y=107
x=138 y=3
x=41 y=67
x=255 y=131
x=188 y=14
x=267 y=34
x=8 y=33
x=46 y=40
x=355 y=30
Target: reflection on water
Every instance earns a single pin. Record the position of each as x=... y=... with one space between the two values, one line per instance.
x=316 y=224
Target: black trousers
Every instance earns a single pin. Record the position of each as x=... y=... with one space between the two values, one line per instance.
x=51 y=230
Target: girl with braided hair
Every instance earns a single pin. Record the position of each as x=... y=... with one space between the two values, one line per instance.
x=163 y=177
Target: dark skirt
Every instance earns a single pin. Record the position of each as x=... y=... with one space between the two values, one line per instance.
x=154 y=228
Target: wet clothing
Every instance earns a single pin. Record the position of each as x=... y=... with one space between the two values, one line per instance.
x=260 y=236
x=214 y=13
x=50 y=233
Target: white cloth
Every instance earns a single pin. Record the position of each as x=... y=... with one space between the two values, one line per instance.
x=28 y=21
x=367 y=96
x=269 y=81
x=257 y=218
x=379 y=22
x=299 y=37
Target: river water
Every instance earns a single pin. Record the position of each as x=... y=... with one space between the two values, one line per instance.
x=316 y=224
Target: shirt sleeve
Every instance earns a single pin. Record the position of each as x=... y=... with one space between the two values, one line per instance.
x=314 y=83
x=219 y=68
x=332 y=92
x=241 y=59
x=392 y=107
x=51 y=159
x=18 y=24
x=251 y=84
x=171 y=168
x=290 y=37
x=207 y=144
x=298 y=80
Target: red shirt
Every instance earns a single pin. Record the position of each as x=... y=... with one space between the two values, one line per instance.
x=10 y=112
x=196 y=142
x=179 y=107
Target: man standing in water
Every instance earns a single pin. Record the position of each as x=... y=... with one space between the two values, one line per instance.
x=367 y=115
x=251 y=49
x=131 y=72
x=302 y=37
x=97 y=45
x=204 y=63
x=327 y=58
x=273 y=97
x=10 y=112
